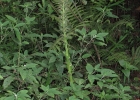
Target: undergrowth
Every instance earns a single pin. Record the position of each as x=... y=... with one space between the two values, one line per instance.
x=67 y=50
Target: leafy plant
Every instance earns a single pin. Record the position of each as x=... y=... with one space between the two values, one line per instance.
x=66 y=50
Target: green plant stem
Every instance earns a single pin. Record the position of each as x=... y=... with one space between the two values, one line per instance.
x=65 y=31
x=68 y=62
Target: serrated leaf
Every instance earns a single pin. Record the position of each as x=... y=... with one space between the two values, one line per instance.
x=18 y=35
x=101 y=34
x=97 y=67
x=127 y=88
x=100 y=39
x=54 y=91
x=25 y=42
x=100 y=43
x=1 y=78
x=11 y=18
x=30 y=65
x=73 y=98
x=87 y=55
x=50 y=91
x=23 y=94
x=92 y=78
x=5 y=23
x=52 y=59
x=93 y=33
x=122 y=63
x=8 y=81
x=29 y=19
x=82 y=32
x=20 y=24
x=100 y=84
x=79 y=81
x=8 y=98
x=88 y=86
x=108 y=73
x=23 y=73
x=44 y=88
x=89 y=68
x=126 y=73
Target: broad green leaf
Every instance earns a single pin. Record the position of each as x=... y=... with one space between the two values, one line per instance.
x=18 y=34
x=31 y=77
x=88 y=86
x=82 y=32
x=8 y=81
x=73 y=98
x=127 y=65
x=82 y=94
x=20 y=98
x=97 y=67
x=92 y=78
x=79 y=81
x=108 y=73
x=87 y=55
x=9 y=67
x=100 y=43
x=23 y=73
x=100 y=84
x=52 y=59
x=60 y=66
x=131 y=67
x=25 y=42
x=1 y=78
x=93 y=33
x=112 y=87
x=30 y=65
x=100 y=39
x=54 y=91
x=101 y=34
x=79 y=94
x=11 y=18
x=8 y=98
x=20 y=25
x=127 y=88
x=122 y=63
x=89 y=68
x=50 y=91
x=126 y=72
x=23 y=94
x=103 y=93
x=29 y=19
x=44 y=88
x=5 y=23
x=50 y=10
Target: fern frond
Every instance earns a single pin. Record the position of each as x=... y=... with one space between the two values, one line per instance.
x=69 y=18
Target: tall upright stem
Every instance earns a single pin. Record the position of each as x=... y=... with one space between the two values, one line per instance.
x=65 y=30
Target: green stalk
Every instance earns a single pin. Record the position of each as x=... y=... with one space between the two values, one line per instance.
x=65 y=30
x=68 y=62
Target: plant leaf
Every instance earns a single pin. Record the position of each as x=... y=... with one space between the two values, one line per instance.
x=11 y=18
x=8 y=81
x=89 y=68
x=18 y=35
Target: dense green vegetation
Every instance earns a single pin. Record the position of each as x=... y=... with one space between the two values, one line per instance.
x=68 y=50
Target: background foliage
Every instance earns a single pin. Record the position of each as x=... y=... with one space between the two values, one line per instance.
x=68 y=50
